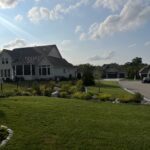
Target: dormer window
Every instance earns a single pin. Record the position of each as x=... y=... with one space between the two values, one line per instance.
x=3 y=61
x=6 y=60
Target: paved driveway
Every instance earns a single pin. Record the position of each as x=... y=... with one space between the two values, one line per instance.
x=137 y=86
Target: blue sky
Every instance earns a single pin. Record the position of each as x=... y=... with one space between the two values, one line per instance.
x=85 y=31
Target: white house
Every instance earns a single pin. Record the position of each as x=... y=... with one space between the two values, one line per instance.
x=31 y=63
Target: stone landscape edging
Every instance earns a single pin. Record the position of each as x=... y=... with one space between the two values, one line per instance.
x=10 y=134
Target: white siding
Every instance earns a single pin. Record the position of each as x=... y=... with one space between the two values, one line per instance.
x=68 y=71
x=5 y=66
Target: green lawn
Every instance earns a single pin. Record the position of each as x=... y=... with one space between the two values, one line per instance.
x=111 y=87
x=42 y=123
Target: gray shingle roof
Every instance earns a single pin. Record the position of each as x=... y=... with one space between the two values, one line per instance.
x=33 y=55
x=59 y=62
x=114 y=68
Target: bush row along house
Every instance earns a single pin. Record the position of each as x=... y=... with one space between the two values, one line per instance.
x=34 y=63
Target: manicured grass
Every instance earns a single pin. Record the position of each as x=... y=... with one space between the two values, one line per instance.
x=111 y=87
x=42 y=123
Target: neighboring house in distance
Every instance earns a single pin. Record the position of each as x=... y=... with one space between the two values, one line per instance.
x=145 y=72
x=113 y=71
x=33 y=63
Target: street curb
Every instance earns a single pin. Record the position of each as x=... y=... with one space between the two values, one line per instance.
x=145 y=100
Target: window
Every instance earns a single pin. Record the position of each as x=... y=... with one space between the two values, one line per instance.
x=40 y=73
x=1 y=73
x=44 y=70
x=19 y=70
x=33 y=69
x=8 y=73
x=5 y=73
x=3 y=61
x=48 y=71
x=64 y=70
x=6 y=60
x=27 y=70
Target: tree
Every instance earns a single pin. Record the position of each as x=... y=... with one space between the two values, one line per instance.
x=88 y=78
x=133 y=67
x=137 y=61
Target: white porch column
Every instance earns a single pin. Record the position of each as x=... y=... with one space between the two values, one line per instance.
x=23 y=70
x=15 y=73
x=46 y=70
x=30 y=69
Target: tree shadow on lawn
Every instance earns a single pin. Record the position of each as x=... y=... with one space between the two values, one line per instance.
x=2 y=114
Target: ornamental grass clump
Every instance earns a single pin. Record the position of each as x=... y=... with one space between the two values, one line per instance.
x=104 y=97
x=136 y=98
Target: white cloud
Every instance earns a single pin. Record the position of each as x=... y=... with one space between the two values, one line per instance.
x=105 y=56
x=147 y=43
x=134 y=14
x=15 y=44
x=110 y=4
x=8 y=3
x=19 y=18
x=132 y=45
x=78 y=29
x=37 y=14
x=38 y=0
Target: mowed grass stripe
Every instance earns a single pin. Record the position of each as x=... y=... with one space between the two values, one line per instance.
x=42 y=123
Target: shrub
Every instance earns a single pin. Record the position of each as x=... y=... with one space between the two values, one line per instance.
x=88 y=96
x=26 y=93
x=51 y=84
x=65 y=87
x=78 y=95
x=3 y=133
x=73 y=89
x=82 y=95
x=104 y=97
x=64 y=95
x=30 y=90
x=17 y=92
x=9 y=93
x=136 y=98
x=2 y=95
x=80 y=86
x=37 y=89
x=47 y=92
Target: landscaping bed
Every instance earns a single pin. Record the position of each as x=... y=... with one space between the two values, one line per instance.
x=103 y=91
